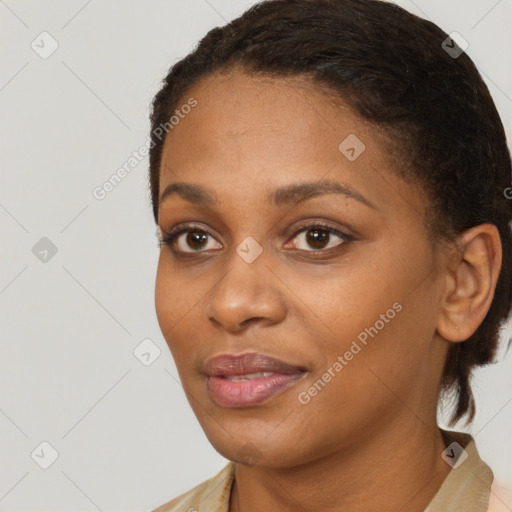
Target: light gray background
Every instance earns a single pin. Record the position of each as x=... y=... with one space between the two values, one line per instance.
x=126 y=437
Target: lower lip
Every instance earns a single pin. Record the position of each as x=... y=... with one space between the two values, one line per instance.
x=229 y=393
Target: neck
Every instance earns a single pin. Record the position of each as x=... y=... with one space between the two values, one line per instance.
x=395 y=470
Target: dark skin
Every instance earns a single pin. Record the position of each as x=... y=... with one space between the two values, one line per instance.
x=369 y=440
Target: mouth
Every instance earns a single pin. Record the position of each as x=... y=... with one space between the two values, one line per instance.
x=245 y=380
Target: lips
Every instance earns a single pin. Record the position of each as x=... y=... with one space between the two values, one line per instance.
x=248 y=379
x=227 y=365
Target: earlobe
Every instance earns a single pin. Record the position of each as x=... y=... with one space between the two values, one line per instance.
x=471 y=281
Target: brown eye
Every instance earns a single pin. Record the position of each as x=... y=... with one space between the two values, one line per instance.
x=196 y=239
x=319 y=238
x=189 y=240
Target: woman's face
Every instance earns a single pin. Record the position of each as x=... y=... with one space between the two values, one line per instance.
x=338 y=282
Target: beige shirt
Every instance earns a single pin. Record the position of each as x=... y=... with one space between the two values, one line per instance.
x=465 y=489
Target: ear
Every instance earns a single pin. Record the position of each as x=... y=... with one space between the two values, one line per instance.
x=472 y=275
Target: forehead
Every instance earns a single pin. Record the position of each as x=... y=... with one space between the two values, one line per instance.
x=237 y=113
x=256 y=133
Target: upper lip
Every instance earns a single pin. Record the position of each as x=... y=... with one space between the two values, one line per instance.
x=243 y=364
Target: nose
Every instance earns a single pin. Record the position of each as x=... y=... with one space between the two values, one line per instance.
x=248 y=293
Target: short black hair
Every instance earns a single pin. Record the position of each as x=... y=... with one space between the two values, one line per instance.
x=394 y=70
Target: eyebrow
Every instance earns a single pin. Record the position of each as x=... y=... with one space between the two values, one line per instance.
x=293 y=193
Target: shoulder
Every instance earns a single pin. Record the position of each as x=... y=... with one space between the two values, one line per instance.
x=500 y=499
x=212 y=494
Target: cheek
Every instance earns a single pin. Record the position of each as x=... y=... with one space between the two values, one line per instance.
x=170 y=299
x=346 y=300
x=385 y=348
x=177 y=308
x=163 y=299
x=372 y=311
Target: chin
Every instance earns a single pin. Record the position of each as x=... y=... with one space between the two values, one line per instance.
x=255 y=450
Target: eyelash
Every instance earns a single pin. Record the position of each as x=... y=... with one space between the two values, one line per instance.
x=169 y=238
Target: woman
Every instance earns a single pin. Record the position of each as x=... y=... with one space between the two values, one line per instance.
x=328 y=178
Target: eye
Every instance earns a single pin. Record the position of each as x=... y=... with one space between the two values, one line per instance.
x=316 y=237
x=320 y=237
x=189 y=239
